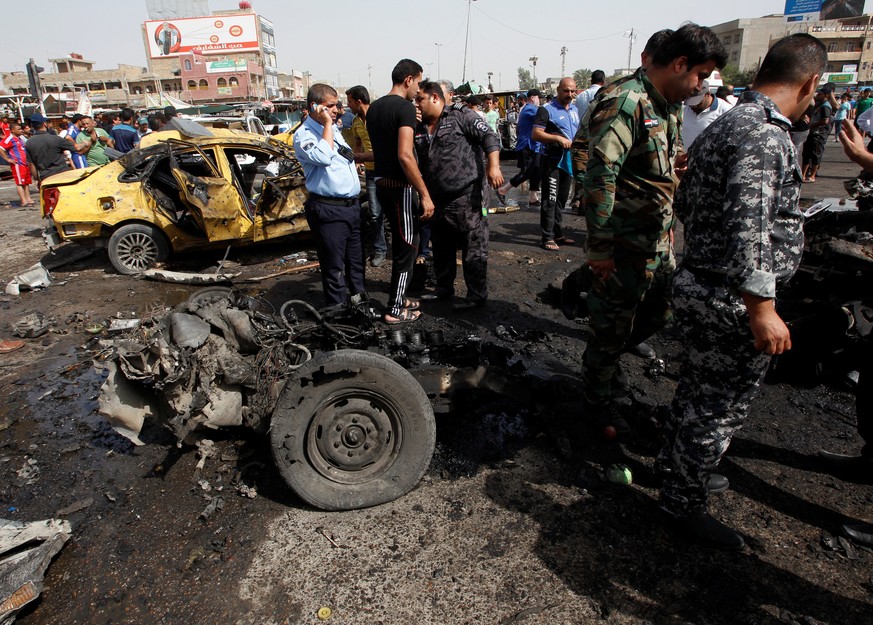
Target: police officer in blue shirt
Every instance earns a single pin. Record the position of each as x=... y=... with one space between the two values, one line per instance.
x=332 y=210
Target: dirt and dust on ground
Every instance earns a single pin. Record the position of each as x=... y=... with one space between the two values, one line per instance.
x=505 y=527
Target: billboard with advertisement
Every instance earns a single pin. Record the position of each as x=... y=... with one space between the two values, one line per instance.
x=815 y=10
x=836 y=9
x=839 y=78
x=229 y=65
x=218 y=34
x=802 y=10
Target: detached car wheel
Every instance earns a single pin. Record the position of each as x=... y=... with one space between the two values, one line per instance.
x=210 y=295
x=352 y=429
x=136 y=247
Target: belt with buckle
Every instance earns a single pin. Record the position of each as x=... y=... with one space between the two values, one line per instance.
x=334 y=201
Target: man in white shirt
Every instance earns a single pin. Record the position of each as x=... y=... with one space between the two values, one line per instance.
x=700 y=111
x=598 y=77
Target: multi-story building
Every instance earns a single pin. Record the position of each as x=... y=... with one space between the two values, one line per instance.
x=849 y=42
x=205 y=79
x=237 y=38
x=125 y=85
x=747 y=40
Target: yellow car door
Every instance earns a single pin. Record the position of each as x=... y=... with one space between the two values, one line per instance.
x=280 y=206
x=215 y=201
x=272 y=179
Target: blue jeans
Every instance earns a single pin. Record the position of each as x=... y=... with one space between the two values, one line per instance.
x=375 y=228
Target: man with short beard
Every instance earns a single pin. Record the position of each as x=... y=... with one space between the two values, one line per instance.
x=630 y=180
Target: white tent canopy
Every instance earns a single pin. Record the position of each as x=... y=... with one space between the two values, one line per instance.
x=162 y=99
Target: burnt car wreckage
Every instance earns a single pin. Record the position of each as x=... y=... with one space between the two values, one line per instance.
x=828 y=304
x=348 y=406
x=183 y=189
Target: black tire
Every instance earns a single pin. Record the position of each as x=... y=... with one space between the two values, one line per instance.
x=136 y=247
x=352 y=429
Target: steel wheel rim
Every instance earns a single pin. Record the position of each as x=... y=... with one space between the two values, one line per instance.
x=137 y=251
x=354 y=436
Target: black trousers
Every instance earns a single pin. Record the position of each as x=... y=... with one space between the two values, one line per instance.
x=400 y=205
x=461 y=225
x=528 y=169
x=556 y=191
x=337 y=232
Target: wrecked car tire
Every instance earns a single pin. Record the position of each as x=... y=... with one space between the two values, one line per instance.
x=352 y=429
x=210 y=295
x=133 y=248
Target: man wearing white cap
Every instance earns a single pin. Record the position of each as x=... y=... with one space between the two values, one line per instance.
x=700 y=111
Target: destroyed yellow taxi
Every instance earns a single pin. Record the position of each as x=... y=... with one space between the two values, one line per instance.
x=182 y=189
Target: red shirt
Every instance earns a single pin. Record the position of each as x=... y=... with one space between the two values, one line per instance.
x=14 y=147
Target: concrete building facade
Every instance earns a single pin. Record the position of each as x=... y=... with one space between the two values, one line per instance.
x=205 y=79
x=125 y=85
x=849 y=42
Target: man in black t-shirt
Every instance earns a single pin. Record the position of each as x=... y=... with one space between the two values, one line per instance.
x=391 y=124
x=45 y=152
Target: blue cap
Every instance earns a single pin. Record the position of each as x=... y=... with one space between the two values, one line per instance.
x=37 y=118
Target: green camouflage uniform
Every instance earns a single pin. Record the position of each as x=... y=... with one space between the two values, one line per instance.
x=629 y=185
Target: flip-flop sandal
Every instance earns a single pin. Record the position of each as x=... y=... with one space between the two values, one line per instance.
x=10 y=346
x=405 y=316
x=411 y=304
x=565 y=241
x=550 y=246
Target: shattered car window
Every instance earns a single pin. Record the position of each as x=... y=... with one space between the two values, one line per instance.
x=251 y=167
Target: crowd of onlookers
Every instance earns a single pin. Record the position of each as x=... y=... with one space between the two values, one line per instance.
x=90 y=141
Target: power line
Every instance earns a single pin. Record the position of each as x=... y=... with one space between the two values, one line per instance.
x=521 y=32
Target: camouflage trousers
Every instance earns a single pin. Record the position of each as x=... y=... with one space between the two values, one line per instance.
x=719 y=378
x=461 y=225
x=623 y=311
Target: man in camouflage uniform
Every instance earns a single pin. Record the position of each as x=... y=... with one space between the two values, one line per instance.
x=743 y=238
x=450 y=144
x=630 y=179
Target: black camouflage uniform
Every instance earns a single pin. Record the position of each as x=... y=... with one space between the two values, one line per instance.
x=743 y=233
x=452 y=163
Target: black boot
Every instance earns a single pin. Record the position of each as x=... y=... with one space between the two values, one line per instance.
x=856 y=469
x=717 y=483
x=860 y=533
x=643 y=350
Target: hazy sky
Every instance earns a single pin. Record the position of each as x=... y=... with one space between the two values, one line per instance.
x=340 y=45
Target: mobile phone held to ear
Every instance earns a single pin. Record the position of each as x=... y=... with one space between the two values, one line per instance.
x=313 y=107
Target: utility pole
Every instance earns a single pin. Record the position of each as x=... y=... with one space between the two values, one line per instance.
x=490 y=86
x=439 y=70
x=533 y=60
x=466 y=41
x=370 y=79
x=632 y=37
x=563 y=60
